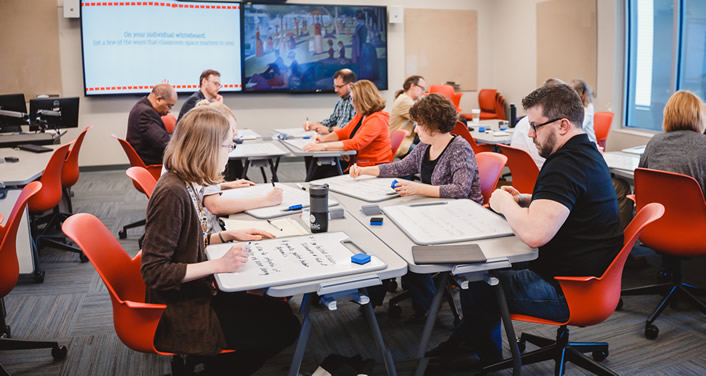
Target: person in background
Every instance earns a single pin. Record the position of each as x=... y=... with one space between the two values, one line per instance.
x=366 y=132
x=145 y=129
x=681 y=148
x=200 y=319
x=209 y=85
x=572 y=217
x=586 y=95
x=343 y=111
x=412 y=89
x=448 y=169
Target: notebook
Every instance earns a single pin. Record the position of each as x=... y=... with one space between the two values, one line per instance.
x=447 y=254
x=34 y=148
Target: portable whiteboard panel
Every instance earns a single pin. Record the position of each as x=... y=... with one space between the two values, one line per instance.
x=247 y=134
x=366 y=188
x=299 y=142
x=453 y=221
x=290 y=196
x=260 y=149
x=621 y=161
x=296 y=259
x=296 y=132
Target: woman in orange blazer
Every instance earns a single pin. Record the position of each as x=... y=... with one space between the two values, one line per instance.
x=366 y=133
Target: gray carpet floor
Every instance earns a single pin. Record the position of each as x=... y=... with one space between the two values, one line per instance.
x=73 y=307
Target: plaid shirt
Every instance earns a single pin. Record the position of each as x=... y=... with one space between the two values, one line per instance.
x=343 y=112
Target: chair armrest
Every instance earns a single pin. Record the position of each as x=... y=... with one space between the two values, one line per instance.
x=631 y=197
x=145 y=306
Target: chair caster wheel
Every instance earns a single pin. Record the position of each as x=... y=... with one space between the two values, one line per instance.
x=620 y=305
x=7 y=333
x=394 y=310
x=59 y=353
x=521 y=345
x=600 y=356
x=82 y=257
x=122 y=234
x=38 y=276
x=392 y=286
x=651 y=331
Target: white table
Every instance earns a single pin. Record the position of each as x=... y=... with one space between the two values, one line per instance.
x=350 y=287
x=492 y=135
x=499 y=252
x=259 y=154
x=320 y=158
x=18 y=174
x=622 y=164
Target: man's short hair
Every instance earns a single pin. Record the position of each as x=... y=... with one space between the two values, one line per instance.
x=434 y=112
x=346 y=75
x=208 y=72
x=163 y=90
x=557 y=102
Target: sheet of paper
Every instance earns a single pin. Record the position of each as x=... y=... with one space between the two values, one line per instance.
x=451 y=221
x=366 y=188
x=248 y=134
x=296 y=132
x=279 y=227
x=621 y=161
x=275 y=262
x=258 y=149
x=291 y=196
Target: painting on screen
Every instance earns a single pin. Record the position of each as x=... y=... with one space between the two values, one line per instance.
x=298 y=47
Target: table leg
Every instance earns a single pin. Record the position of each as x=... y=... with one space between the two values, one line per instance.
x=509 y=330
x=303 y=336
x=429 y=324
x=377 y=335
x=273 y=169
x=246 y=164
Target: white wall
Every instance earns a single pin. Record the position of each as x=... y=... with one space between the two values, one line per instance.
x=507 y=62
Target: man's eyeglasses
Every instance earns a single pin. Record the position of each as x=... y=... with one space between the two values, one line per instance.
x=230 y=147
x=421 y=87
x=534 y=127
x=216 y=84
x=339 y=86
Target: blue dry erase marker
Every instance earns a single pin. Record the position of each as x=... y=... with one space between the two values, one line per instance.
x=394 y=183
x=293 y=207
x=246 y=247
x=306 y=137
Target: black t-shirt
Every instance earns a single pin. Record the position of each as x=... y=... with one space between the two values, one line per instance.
x=577 y=177
x=191 y=103
x=428 y=166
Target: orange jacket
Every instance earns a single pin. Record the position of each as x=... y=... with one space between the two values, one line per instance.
x=371 y=141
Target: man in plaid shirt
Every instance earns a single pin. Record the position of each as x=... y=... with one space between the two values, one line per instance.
x=343 y=112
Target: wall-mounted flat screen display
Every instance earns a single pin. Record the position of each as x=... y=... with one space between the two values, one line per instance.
x=298 y=47
x=130 y=46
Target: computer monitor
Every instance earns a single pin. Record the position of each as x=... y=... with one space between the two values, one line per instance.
x=53 y=113
x=15 y=103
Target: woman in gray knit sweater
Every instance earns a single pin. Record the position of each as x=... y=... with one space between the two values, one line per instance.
x=445 y=162
x=447 y=167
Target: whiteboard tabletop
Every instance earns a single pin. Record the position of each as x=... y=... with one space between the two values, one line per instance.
x=366 y=188
x=291 y=196
x=637 y=150
x=492 y=135
x=254 y=150
x=30 y=166
x=396 y=266
x=296 y=132
x=508 y=247
x=247 y=134
x=295 y=146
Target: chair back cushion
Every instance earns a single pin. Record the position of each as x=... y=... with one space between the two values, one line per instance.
x=50 y=194
x=522 y=167
x=490 y=166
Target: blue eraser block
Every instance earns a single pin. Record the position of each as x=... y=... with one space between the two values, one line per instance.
x=376 y=221
x=360 y=258
x=394 y=183
x=503 y=128
x=295 y=207
x=306 y=137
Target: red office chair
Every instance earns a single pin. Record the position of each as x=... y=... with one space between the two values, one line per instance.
x=134 y=320
x=136 y=161
x=591 y=300
x=601 y=126
x=457 y=101
x=490 y=166
x=48 y=198
x=449 y=92
x=487 y=103
x=679 y=233
x=522 y=167
x=142 y=178
x=10 y=271
x=70 y=171
x=396 y=138
x=461 y=129
x=169 y=121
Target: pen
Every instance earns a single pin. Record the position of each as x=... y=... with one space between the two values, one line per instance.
x=303 y=188
x=246 y=247
x=273 y=182
x=428 y=204
x=275 y=226
x=307 y=124
x=294 y=207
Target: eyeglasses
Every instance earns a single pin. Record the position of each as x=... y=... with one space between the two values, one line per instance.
x=421 y=87
x=230 y=147
x=216 y=84
x=534 y=127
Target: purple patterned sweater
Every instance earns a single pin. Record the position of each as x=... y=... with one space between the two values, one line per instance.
x=456 y=172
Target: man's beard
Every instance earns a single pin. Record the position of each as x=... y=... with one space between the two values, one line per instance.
x=545 y=150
